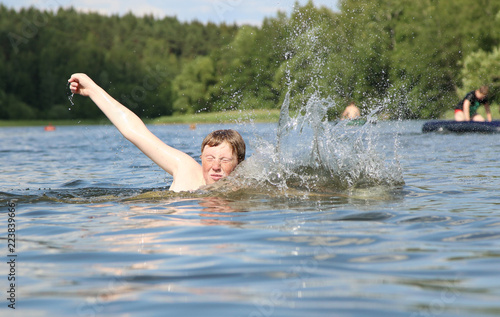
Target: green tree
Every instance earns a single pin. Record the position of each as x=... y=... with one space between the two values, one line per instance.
x=192 y=86
x=481 y=68
x=308 y=45
x=422 y=44
x=238 y=69
x=409 y=56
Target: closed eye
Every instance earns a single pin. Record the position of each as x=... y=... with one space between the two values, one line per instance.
x=223 y=160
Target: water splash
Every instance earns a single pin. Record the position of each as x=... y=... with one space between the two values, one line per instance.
x=70 y=98
x=313 y=156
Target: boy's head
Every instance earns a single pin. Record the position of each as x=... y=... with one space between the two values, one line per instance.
x=483 y=92
x=230 y=136
x=221 y=152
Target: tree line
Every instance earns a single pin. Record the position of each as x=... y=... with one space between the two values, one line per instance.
x=413 y=58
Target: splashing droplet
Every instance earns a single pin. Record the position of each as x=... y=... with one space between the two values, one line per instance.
x=70 y=98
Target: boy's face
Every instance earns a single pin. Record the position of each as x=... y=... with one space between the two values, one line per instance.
x=217 y=162
x=480 y=96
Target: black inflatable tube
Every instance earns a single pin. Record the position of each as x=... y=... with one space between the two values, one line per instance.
x=461 y=127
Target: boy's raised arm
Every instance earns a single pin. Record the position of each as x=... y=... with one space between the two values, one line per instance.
x=185 y=170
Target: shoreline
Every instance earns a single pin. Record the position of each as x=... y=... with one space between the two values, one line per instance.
x=233 y=116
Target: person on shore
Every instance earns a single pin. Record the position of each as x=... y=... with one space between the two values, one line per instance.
x=351 y=112
x=221 y=150
x=466 y=109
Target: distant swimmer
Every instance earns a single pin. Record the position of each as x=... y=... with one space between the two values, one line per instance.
x=466 y=109
x=221 y=150
x=351 y=112
x=49 y=127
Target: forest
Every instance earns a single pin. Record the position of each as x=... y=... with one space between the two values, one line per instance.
x=415 y=57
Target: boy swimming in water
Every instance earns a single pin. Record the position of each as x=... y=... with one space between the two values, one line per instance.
x=351 y=112
x=221 y=150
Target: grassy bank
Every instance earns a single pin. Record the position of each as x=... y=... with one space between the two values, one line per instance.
x=215 y=117
x=234 y=116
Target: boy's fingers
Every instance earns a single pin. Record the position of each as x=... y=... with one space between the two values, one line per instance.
x=73 y=78
x=73 y=86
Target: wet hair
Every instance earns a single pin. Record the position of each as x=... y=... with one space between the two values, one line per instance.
x=230 y=136
x=484 y=90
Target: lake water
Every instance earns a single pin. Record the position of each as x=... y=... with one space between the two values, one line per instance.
x=408 y=225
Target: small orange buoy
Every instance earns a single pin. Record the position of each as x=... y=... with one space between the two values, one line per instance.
x=49 y=127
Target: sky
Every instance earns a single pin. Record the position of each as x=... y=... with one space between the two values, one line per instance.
x=217 y=11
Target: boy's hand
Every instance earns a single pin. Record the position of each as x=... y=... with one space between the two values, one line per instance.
x=81 y=84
